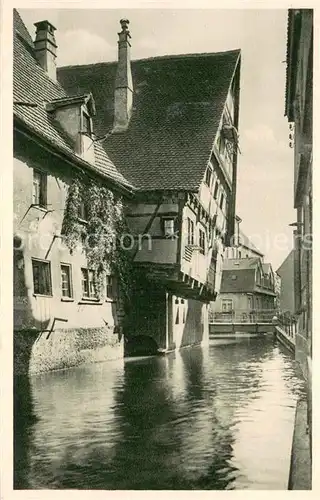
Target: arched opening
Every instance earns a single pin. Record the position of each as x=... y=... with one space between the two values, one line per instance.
x=140 y=345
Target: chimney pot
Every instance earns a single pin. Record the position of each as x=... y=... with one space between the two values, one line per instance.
x=46 y=48
x=123 y=94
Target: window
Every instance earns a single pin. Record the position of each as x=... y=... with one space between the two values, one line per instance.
x=83 y=211
x=227 y=305
x=39 y=189
x=208 y=176
x=202 y=241
x=221 y=201
x=86 y=124
x=190 y=232
x=110 y=288
x=168 y=227
x=88 y=284
x=215 y=192
x=66 y=283
x=41 y=277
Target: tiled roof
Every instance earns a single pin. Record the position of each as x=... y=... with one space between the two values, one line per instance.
x=238 y=281
x=240 y=264
x=33 y=88
x=177 y=106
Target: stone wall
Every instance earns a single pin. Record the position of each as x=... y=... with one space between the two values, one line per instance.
x=64 y=348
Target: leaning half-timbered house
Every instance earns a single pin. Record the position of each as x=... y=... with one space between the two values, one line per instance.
x=171 y=126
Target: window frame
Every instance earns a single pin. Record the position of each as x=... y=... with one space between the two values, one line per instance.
x=164 y=220
x=110 y=288
x=41 y=199
x=208 y=176
x=190 y=231
x=216 y=190
x=70 y=282
x=202 y=241
x=223 y=304
x=47 y=263
x=91 y=296
x=222 y=199
x=86 y=119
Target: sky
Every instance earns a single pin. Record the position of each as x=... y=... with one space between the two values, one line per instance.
x=265 y=168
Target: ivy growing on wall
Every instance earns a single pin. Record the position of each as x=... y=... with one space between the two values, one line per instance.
x=100 y=234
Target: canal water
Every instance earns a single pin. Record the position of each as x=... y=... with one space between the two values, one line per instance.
x=213 y=418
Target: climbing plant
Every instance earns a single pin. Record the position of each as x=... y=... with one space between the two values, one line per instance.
x=100 y=235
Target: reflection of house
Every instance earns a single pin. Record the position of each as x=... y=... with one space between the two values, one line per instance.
x=286 y=272
x=241 y=247
x=170 y=124
x=54 y=291
x=247 y=286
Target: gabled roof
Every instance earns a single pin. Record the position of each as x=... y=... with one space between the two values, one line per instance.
x=32 y=89
x=238 y=276
x=245 y=241
x=177 y=107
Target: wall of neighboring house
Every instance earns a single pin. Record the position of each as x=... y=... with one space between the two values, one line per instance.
x=303 y=117
x=286 y=272
x=83 y=329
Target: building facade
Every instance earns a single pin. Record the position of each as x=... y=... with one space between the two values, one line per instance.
x=299 y=111
x=247 y=291
x=242 y=247
x=286 y=273
x=60 y=320
x=170 y=123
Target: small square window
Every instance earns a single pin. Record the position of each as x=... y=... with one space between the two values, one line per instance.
x=169 y=227
x=39 y=189
x=88 y=284
x=66 y=282
x=41 y=277
x=227 y=305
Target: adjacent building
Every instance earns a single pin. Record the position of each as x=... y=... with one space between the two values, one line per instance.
x=60 y=319
x=242 y=247
x=247 y=291
x=286 y=273
x=171 y=126
x=299 y=111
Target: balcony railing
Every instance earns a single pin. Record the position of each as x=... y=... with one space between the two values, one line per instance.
x=243 y=316
x=288 y=323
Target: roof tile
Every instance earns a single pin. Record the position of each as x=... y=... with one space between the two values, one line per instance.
x=177 y=107
x=33 y=87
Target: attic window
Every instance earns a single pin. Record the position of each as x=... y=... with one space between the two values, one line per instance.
x=86 y=124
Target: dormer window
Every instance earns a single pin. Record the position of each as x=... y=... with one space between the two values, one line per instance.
x=86 y=124
x=74 y=115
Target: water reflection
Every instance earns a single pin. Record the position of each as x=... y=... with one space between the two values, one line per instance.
x=214 y=418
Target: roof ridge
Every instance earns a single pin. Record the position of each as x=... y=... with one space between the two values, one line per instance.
x=153 y=58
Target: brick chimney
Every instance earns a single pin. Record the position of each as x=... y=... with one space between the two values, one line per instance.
x=123 y=93
x=45 y=47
